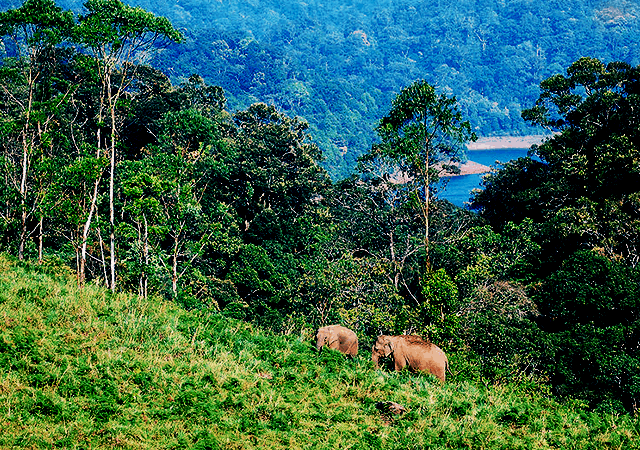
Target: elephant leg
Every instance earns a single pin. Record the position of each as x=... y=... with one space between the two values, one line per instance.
x=400 y=364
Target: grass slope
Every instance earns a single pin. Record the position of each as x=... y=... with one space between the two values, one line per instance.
x=88 y=369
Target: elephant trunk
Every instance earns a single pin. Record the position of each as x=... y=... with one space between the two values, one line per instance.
x=319 y=344
x=375 y=357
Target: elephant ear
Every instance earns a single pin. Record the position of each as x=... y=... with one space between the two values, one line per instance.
x=390 y=345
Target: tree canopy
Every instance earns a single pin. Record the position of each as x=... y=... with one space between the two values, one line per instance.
x=581 y=192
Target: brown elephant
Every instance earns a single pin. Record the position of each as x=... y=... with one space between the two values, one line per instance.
x=412 y=351
x=339 y=338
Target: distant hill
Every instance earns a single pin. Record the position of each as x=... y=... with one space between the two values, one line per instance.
x=338 y=64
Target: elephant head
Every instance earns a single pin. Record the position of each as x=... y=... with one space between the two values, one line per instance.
x=383 y=347
x=323 y=337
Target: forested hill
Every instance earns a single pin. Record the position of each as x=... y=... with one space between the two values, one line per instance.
x=338 y=64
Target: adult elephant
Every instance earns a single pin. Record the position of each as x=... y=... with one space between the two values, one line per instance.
x=412 y=351
x=339 y=338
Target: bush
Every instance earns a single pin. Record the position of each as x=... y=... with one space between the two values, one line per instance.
x=591 y=309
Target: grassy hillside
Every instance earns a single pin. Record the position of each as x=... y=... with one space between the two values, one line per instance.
x=87 y=369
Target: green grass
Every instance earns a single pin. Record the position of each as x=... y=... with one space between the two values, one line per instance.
x=86 y=369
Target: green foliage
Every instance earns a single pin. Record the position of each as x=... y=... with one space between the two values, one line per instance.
x=254 y=273
x=581 y=191
x=277 y=182
x=34 y=96
x=422 y=127
x=41 y=23
x=520 y=189
x=492 y=318
x=118 y=25
x=590 y=307
x=579 y=194
x=439 y=306
x=89 y=368
x=353 y=57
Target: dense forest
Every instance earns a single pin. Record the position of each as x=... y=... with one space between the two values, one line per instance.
x=143 y=184
x=338 y=64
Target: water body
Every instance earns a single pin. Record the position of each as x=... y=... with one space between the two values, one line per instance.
x=458 y=189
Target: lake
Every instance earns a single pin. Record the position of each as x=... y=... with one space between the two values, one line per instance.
x=458 y=189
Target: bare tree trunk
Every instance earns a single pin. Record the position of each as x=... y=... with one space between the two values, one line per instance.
x=112 y=157
x=145 y=254
x=40 y=239
x=85 y=234
x=82 y=263
x=174 y=274
x=23 y=233
x=103 y=258
x=23 y=192
x=112 y=226
x=77 y=250
x=87 y=224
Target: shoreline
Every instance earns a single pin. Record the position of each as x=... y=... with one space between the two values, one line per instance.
x=500 y=142
x=468 y=168
x=496 y=143
x=471 y=168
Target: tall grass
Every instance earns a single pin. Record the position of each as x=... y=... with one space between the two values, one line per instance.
x=89 y=369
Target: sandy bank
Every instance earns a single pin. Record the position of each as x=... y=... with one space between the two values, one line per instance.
x=471 y=167
x=488 y=143
x=468 y=168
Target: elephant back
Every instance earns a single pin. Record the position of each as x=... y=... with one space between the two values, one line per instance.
x=339 y=338
x=426 y=356
x=412 y=339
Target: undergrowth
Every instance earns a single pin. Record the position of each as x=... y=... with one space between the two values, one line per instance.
x=90 y=369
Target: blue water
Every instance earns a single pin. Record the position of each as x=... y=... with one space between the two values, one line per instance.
x=458 y=189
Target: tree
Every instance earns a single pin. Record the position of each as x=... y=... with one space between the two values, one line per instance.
x=521 y=188
x=591 y=309
x=423 y=135
x=119 y=37
x=277 y=180
x=32 y=96
x=170 y=199
x=376 y=221
x=278 y=190
x=583 y=188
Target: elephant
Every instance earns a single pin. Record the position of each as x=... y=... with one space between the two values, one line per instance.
x=339 y=338
x=412 y=351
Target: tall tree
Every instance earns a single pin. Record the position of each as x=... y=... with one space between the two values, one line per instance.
x=277 y=179
x=119 y=37
x=423 y=135
x=28 y=87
